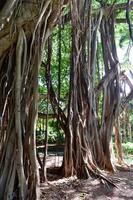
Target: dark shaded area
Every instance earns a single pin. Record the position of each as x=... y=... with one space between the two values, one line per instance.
x=52 y=148
x=2 y=2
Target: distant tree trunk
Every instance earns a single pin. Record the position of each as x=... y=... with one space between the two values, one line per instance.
x=128 y=125
x=118 y=145
x=125 y=135
x=59 y=114
x=44 y=167
x=129 y=129
x=24 y=29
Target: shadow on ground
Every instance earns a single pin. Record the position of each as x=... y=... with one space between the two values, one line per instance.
x=91 y=189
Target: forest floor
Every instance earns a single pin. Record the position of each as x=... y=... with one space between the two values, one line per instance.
x=59 y=188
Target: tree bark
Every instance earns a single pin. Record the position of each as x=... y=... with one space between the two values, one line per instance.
x=24 y=29
x=118 y=142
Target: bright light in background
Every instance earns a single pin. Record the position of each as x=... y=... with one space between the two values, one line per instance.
x=121 y=54
x=131 y=55
x=124 y=86
x=124 y=53
x=129 y=75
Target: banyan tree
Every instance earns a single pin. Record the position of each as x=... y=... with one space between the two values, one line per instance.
x=25 y=27
x=88 y=136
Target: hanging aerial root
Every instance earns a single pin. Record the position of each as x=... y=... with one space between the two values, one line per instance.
x=20 y=164
x=104 y=178
x=94 y=171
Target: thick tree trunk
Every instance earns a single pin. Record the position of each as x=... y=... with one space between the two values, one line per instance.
x=83 y=149
x=24 y=29
x=90 y=144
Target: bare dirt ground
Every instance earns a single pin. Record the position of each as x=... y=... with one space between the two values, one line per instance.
x=92 y=189
x=73 y=189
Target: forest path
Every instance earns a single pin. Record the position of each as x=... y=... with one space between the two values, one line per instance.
x=91 y=189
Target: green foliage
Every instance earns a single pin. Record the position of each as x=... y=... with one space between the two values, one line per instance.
x=65 y=67
x=65 y=60
x=55 y=135
x=40 y=136
x=128 y=148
